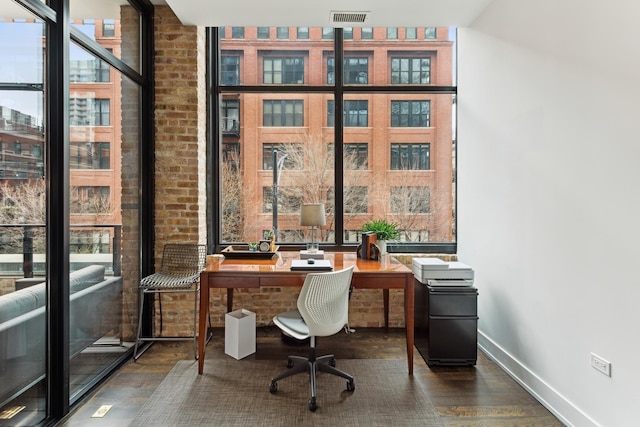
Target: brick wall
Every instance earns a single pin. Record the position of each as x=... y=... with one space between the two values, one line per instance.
x=180 y=149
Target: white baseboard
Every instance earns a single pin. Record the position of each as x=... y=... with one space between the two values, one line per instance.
x=557 y=404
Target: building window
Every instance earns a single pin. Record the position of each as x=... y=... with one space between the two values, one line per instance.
x=410 y=113
x=356 y=71
x=392 y=33
x=410 y=71
x=283 y=70
x=357 y=155
x=303 y=33
x=237 y=32
x=282 y=113
x=263 y=32
x=230 y=116
x=289 y=199
x=230 y=70
x=430 y=33
x=410 y=156
x=387 y=118
x=356 y=113
x=90 y=155
x=231 y=154
x=89 y=112
x=294 y=159
x=282 y=32
x=108 y=28
x=221 y=32
x=91 y=200
x=356 y=199
x=89 y=71
x=409 y=200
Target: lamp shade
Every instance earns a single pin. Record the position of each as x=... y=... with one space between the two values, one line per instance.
x=312 y=214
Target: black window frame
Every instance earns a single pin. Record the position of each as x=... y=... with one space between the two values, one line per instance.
x=353 y=67
x=405 y=70
x=263 y=33
x=282 y=33
x=271 y=118
x=230 y=70
x=404 y=114
x=410 y=156
x=290 y=73
x=353 y=113
x=302 y=33
x=338 y=92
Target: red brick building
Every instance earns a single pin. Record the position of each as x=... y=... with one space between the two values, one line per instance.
x=401 y=144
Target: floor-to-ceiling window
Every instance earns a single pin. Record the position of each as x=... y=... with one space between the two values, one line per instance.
x=359 y=119
x=22 y=214
x=72 y=125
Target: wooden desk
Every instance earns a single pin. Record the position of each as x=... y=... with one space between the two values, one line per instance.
x=242 y=273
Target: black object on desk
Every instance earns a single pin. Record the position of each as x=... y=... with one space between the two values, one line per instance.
x=316 y=265
x=446 y=324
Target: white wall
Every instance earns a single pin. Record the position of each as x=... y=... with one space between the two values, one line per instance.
x=549 y=197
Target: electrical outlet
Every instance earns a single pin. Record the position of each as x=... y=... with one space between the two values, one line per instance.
x=600 y=364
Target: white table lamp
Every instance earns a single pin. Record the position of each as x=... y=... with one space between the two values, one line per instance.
x=312 y=215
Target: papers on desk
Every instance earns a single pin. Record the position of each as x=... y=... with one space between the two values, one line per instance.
x=318 y=265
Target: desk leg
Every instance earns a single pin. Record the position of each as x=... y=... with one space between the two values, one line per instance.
x=203 y=315
x=408 y=319
x=229 y=300
x=385 y=299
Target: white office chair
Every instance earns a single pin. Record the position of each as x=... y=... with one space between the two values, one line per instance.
x=323 y=310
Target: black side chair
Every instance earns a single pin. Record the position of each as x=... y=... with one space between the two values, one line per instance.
x=179 y=273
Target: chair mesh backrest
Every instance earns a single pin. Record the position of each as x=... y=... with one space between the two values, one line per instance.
x=324 y=301
x=183 y=259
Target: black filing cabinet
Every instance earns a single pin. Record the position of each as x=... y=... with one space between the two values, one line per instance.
x=446 y=324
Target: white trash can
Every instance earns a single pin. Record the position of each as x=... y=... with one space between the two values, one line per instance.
x=240 y=333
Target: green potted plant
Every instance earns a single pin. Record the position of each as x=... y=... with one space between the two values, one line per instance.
x=384 y=230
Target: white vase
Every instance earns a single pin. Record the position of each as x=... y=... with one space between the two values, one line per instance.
x=382 y=246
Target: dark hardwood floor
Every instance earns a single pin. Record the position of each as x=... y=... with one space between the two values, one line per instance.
x=482 y=395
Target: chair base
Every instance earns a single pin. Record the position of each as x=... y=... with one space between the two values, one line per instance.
x=312 y=365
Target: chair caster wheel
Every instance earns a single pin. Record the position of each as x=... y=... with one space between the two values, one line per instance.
x=289 y=363
x=351 y=385
x=312 y=404
x=332 y=362
x=273 y=387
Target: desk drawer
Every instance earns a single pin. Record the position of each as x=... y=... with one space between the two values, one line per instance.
x=281 y=281
x=377 y=282
x=234 y=282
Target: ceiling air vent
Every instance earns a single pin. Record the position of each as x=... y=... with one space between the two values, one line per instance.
x=349 y=17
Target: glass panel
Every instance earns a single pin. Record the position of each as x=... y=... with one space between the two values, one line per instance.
x=104 y=124
x=104 y=22
x=389 y=135
x=413 y=189
x=262 y=58
x=256 y=196
x=418 y=66
x=22 y=218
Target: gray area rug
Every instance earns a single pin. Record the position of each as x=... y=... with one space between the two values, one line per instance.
x=236 y=393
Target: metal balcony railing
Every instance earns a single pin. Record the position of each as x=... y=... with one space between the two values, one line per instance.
x=29 y=261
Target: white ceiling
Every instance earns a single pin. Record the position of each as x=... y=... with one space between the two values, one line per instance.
x=316 y=13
